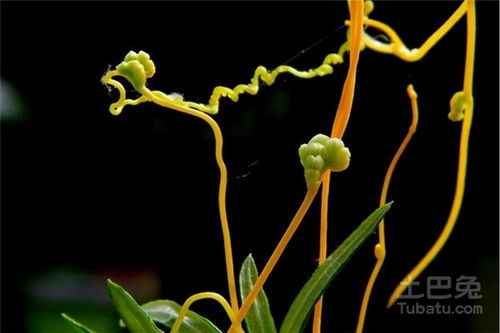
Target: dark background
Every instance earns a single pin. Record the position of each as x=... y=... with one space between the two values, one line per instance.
x=134 y=197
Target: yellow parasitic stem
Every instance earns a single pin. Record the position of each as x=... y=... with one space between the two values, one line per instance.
x=380 y=250
x=345 y=104
x=462 y=158
x=136 y=69
x=205 y=295
x=278 y=251
x=318 y=308
x=398 y=48
x=156 y=97
x=339 y=126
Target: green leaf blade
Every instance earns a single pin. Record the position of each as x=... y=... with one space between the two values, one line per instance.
x=303 y=304
x=77 y=325
x=259 y=318
x=166 y=312
x=134 y=317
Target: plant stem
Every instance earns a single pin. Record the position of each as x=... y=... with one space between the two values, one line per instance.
x=156 y=98
x=339 y=126
x=285 y=239
x=380 y=250
x=462 y=160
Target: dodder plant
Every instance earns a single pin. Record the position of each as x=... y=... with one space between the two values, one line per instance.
x=319 y=157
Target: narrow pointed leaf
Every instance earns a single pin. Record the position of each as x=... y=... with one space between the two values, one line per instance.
x=259 y=318
x=165 y=312
x=77 y=325
x=303 y=304
x=134 y=317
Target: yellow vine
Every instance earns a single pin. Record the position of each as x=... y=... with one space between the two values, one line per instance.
x=380 y=250
x=137 y=68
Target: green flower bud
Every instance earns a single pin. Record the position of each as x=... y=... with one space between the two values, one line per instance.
x=314 y=162
x=137 y=68
x=457 y=106
x=313 y=178
x=320 y=138
x=320 y=154
x=336 y=155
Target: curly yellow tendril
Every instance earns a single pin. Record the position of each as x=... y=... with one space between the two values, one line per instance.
x=136 y=68
x=380 y=250
x=268 y=77
x=197 y=297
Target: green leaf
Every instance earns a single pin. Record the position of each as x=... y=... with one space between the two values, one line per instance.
x=76 y=325
x=165 y=312
x=135 y=318
x=259 y=318
x=301 y=308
